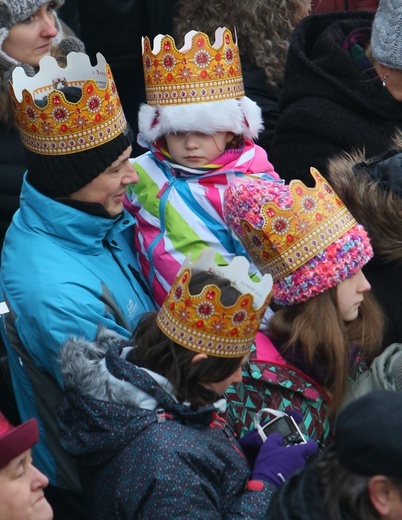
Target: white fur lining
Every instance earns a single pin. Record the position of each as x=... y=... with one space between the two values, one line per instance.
x=240 y=116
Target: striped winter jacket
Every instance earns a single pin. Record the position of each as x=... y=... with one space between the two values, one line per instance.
x=179 y=215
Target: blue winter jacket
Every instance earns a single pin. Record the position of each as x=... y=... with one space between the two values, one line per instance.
x=64 y=272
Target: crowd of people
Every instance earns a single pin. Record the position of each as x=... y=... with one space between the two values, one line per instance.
x=200 y=230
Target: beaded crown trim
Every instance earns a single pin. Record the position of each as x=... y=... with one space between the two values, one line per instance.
x=290 y=237
x=62 y=127
x=198 y=72
x=202 y=323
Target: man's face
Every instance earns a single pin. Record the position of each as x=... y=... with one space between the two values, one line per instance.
x=21 y=491
x=109 y=187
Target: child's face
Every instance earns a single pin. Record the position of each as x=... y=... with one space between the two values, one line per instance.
x=350 y=294
x=194 y=149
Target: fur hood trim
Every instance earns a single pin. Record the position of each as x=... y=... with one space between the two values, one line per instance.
x=240 y=116
x=380 y=211
x=84 y=370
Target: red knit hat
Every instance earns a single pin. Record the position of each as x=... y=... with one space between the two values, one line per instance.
x=14 y=440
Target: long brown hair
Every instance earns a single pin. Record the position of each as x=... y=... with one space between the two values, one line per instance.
x=155 y=351
x=316 y=331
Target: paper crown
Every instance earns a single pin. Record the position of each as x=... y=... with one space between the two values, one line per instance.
x=198 y=88
x=288 y=237
x=197 y=72
x=62 y=127
x=201 y=322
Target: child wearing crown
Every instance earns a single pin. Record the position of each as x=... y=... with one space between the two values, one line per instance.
x=326 y=324
x=148 y=412
x=199 y=127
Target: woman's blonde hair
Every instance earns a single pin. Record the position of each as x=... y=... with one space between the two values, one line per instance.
x=315 y=331
x=263 y=28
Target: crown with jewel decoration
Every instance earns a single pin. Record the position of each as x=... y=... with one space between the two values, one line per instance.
x=62 y=127
x=197 y=72
x=290 y=236
x=200 y=322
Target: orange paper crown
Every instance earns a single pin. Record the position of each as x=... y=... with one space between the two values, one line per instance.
x=202 y=323
x=291 y=236
x=62 y=127
x=197 y=72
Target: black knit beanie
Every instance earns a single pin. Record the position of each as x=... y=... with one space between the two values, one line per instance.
x=58 y=176
x=368 y=434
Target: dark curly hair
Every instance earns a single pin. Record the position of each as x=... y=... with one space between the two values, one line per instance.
x=263 y=28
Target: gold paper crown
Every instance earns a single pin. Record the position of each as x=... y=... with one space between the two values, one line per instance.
x=290 y=237
x=197 y=72
x=62 y=127
x=202 y=323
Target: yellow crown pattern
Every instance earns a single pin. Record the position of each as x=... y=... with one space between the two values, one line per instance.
x=290 y=237
x=202 y=323
x=198 y=72
x=62 y=127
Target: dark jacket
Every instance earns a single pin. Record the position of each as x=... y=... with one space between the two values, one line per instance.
x=140 y=453
x=328 y=103
x=266 y=97
x=300 y=499
x=12 y=169
x=115 y=29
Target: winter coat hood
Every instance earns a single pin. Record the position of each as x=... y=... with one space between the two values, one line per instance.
x=109 y=400
x=316 y=58
x=379 y=209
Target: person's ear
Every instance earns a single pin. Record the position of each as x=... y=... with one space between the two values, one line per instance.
x=382 y=71
x=198 y=357
x=381 y=491
x=229 y=137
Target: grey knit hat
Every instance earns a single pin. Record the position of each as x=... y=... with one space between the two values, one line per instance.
x=386 y=36
x=13 y=12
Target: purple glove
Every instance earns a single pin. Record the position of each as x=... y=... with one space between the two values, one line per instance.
x=252 y=442
x=275 y=462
